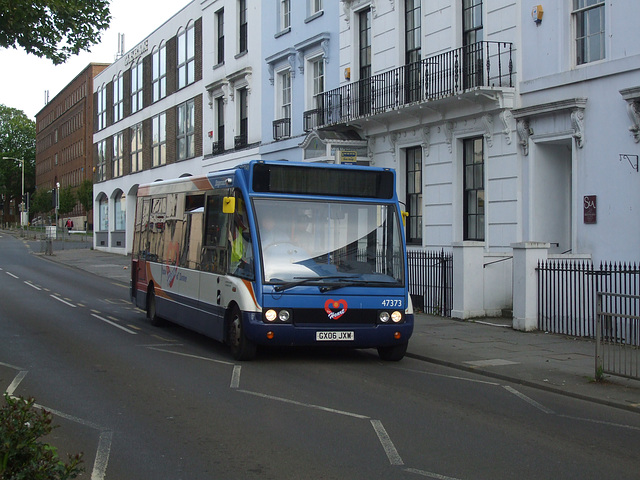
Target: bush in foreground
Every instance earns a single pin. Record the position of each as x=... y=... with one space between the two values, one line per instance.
x=22 y=455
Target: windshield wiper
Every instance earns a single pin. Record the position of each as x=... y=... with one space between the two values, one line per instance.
x=309 y=281
x=363 y=283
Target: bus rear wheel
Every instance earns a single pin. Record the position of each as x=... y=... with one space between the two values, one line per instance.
x=394 y=353
x=152 y=316
x=241 y=347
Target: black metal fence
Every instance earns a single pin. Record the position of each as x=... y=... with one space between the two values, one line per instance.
x=482 y=64
x=431 y=281
x=618 y=335
x=567 y=294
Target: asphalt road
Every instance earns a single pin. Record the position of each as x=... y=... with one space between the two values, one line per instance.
x=146 y=403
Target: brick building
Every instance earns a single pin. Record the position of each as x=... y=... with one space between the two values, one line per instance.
x=64 y=139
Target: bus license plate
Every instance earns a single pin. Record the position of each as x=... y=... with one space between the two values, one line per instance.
x=334 y=336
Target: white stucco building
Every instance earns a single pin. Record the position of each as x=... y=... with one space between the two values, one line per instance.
x=182 y=102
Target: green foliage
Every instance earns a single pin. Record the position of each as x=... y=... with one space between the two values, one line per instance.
x=68 y=200
x=54 y=29
x=84 y=193
x=41 y=202
x=17 y=140
x=22 y=456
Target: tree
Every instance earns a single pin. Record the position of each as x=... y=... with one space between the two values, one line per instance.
x=17 y=140
x=41 y=201
x=84 y=193
x=67 y=200
x=54 y=29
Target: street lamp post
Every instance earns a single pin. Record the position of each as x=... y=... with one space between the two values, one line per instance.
x=22 y=205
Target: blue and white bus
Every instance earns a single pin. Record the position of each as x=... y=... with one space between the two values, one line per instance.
x=276 y=253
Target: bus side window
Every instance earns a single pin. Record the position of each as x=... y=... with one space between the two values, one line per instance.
x=214 y=251
x=240 y=242
x=193 y=232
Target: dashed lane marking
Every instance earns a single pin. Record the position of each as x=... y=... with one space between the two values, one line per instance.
x=114 y=324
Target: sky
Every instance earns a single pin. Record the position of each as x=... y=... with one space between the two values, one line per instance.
x=24 y=78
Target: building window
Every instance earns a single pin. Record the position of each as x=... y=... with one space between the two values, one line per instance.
x=242 y=21
x=159 y=73
x=315 y=6
x=414 y=195
x=186 y=56
x=589 y=26
x=159 y=140
x=285 y=14
x=101 y=163
x=136 y=87
x=220 y=34
x=471 y=22
x=282 y=124
x=472 y=34
x=136 y=148
x=118 y=155
x=473 y=189
x=118 y=97
x=285 y=94
x=120 y=211
x=102 y=108
x=317 y=69
x=219 y=144
x=186 y=131
x=241 y=140
x=413 y=45
x=103 y=214
x=364 y=60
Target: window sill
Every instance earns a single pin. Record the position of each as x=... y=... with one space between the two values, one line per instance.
x=314 y=16
x=282 y=32
x=241 y=54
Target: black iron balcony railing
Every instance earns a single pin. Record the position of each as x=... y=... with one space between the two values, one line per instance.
x=240 y=141
x=482 y=64
x=281 y=128
x=311 y=119
x=218 y=147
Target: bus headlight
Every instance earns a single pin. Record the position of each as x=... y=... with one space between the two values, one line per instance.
x=390 y=317
x=272 y=315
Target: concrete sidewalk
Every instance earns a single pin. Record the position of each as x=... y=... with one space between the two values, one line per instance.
x=490 y=347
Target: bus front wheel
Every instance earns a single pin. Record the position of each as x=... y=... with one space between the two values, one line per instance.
x=393 y=354
x=241 y=347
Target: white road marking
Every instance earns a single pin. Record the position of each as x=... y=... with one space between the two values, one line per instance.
x=11 y=275
x=494 y=362
x=32 y=285
x=307 y=405
x=16 y=381
x=530 y=401
x=453 y=377
x=114 y=324
x=437 y=476
x=8 y=365
x=102 y=456
x=387 y=444
x=600 y=422
x=235 y=377
x=188 y=355
x=62 y=300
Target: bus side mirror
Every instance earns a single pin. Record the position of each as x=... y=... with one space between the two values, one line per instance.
x=228 y=205
x=404 y=218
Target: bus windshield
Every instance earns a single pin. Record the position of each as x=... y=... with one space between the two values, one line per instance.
x=329 y=242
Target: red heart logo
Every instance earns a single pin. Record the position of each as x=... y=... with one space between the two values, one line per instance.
x=335 y=308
